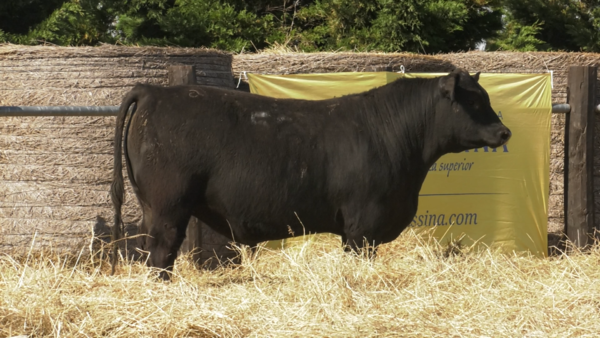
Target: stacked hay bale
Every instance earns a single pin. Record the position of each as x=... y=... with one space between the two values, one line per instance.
x=55 y=172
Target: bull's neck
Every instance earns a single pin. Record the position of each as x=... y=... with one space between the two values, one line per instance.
x=404 y=114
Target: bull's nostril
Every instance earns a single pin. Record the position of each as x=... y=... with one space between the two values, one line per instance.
x=505 y=135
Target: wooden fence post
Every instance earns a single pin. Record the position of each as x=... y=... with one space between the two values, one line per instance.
x=185 y=75
x=181 y=75
x=579 y=155
x=205 y=243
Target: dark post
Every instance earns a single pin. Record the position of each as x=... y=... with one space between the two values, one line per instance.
x=207 y=245
x=579 y=155
x=182 y=75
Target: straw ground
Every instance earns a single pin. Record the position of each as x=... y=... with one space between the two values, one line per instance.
x=415 y=288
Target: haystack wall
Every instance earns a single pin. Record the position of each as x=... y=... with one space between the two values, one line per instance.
x=55 y=172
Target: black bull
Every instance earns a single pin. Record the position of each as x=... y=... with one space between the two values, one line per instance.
x=255 y=168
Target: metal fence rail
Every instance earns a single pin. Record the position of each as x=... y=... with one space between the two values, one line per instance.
x=563 y=108
x=59 y=111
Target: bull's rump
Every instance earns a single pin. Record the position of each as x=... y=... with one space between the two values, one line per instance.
x=263 y=164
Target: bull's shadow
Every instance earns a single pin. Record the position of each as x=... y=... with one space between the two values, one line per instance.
x=127 y=246
x=214 y=250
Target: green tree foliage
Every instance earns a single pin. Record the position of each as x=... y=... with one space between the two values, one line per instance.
x=569 y=25
x=71 y=24
x=388 y=25
x=422 y=26
x=211 y=23
x=18 y=16
x=518 y=37
x=472 y=22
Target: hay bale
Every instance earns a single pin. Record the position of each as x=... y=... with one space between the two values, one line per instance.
x=42 y=75
x=297 y=63
x=55 y=172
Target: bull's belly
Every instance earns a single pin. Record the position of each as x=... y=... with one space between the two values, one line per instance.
x=257 y=210
x=274 y=228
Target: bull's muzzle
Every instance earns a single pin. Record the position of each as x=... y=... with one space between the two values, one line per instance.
x=504 y=135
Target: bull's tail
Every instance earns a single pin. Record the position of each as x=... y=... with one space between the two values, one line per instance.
x=117 y=189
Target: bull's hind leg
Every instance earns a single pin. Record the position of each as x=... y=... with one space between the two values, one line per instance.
x=145 y=225
x=166 y=233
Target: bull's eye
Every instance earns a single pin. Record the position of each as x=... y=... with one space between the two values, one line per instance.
x=472 y=103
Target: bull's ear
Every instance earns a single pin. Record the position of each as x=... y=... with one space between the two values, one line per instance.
x=448 y=84
x=476 y=76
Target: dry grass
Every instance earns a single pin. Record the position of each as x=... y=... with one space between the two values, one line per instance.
x=413 y=288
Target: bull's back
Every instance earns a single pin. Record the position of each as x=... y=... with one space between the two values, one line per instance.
x=235 y=150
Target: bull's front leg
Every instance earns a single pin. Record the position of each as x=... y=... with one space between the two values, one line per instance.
x=360 y=229
x=362 y=247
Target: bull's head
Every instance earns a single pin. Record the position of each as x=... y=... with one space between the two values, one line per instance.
x=465 y=114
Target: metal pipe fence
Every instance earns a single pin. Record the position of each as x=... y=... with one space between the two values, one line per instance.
x=562 y=108
x=59 y=111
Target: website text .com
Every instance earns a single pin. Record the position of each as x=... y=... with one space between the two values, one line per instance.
x=428 y=219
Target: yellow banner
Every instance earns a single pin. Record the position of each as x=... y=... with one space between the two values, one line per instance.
x=495 y=197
